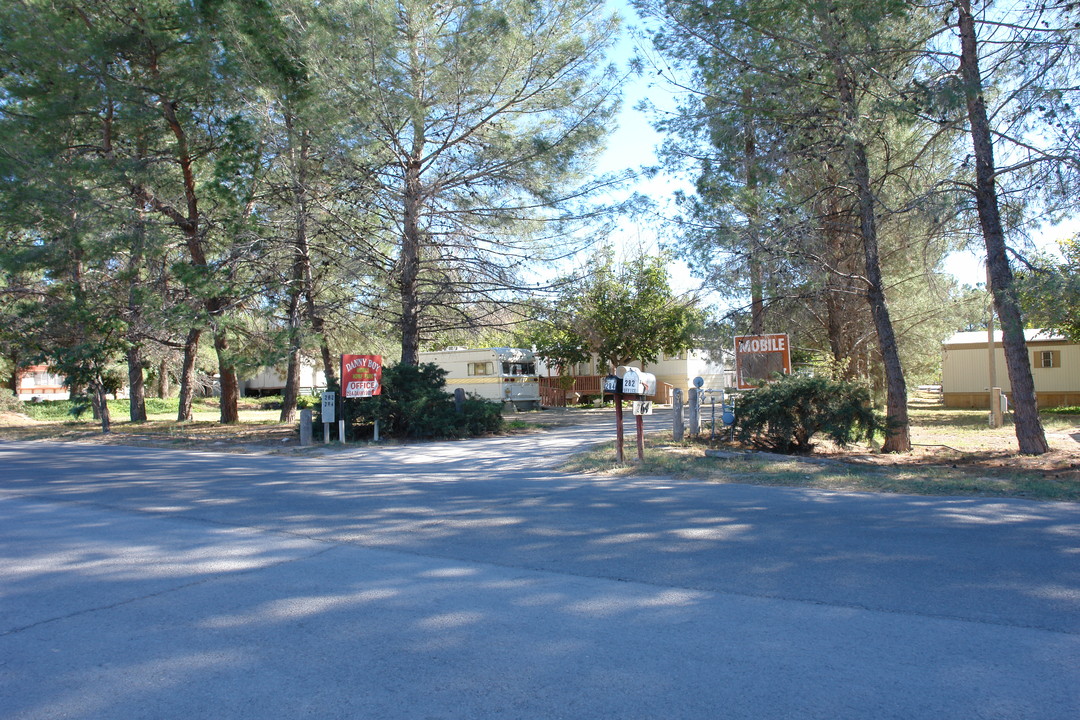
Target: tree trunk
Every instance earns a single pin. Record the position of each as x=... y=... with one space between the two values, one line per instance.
x=163 y=388
x=1029 y=430
x=319 y=326
x=13 y=379
x=187 y=375
x=897 y=430
x=411 y=240
x=291 y=392
x=301 y=268
x=230 y=388
x=329 y=366
x=136 y=386
x=189 y=222
x=757 y=282
x=101 y=403
x=410 y=268
x=840 y=316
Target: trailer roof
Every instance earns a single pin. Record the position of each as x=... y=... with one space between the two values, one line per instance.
x=978 y=337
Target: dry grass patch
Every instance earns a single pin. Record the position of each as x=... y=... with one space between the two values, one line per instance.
x=955 y=454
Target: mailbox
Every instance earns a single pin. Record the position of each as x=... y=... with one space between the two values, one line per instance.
x=637 y=382
x=631 y=382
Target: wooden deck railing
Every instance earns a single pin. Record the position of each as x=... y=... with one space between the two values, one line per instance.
x=551 y=395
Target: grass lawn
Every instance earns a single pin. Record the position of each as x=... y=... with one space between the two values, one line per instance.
x=258 y=424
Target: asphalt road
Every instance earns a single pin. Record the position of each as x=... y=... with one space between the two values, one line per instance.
x=471 y=580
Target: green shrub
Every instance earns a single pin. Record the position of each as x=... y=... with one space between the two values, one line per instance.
x=480 y=416
x=785 y=415
x=414 y=404
x=9 y=401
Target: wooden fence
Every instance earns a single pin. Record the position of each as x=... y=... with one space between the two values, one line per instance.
x=551 y=395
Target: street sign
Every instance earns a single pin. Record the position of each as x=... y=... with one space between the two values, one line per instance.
x=643 y=407
x=699 y=382
x=328 y=399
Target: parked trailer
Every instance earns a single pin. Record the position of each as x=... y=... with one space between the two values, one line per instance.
x=501 y=374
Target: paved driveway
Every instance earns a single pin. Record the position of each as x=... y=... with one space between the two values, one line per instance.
x=471 y=580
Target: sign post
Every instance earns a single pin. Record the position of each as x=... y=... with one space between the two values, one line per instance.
x=641 y=409
x=613 y=385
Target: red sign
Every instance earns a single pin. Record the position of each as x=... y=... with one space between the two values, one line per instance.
x=759 y=357
x=361 y=375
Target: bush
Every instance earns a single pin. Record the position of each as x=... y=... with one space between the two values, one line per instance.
x=785 y=415
x=480 y=416
x=414 y=404
x=9 y=401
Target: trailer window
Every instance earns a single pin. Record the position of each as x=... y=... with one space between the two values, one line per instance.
x=481 y=368
x=521 y=368
x=1048 y=358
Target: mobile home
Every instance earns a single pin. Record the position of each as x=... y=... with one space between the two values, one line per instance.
x=271 y=381
x=502 y=374
x=965 y=374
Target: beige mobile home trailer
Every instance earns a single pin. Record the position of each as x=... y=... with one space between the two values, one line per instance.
x=271 y=381
x=965 y=369
x=502 y=374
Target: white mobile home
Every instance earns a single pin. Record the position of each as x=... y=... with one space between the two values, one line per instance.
x=965 y=369
x=502 y=374
x=271 y=381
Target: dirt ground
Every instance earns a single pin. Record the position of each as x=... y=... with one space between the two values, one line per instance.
x=995 y=452
x=961 y=438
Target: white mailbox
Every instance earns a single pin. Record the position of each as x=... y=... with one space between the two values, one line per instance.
x=637 y=382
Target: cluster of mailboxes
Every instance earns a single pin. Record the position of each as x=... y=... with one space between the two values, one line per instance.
x=630 y=381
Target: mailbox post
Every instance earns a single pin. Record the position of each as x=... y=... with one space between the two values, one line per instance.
x=629 y=381
x=613 y=385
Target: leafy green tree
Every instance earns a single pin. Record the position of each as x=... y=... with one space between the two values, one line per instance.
x=1049 y=291
x=622 y=312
